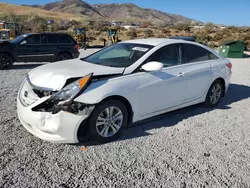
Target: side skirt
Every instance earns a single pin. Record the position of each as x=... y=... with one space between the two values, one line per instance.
x=197 y=101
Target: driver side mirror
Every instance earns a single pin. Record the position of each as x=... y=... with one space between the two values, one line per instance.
x=152 y=66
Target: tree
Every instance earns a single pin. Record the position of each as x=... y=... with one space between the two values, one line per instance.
x=209 y=26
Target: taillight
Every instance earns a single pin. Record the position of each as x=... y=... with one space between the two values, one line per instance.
x=77 y=47
x=229 y=65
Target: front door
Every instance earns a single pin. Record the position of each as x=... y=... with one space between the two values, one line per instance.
x=163 y=89
x=28 y=49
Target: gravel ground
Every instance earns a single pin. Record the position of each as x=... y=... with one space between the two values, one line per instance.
x=193 y=147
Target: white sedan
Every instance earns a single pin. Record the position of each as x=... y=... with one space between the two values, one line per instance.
x=101 y=94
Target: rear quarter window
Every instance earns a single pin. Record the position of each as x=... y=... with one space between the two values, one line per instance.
x=64 y=39
x=193 y=53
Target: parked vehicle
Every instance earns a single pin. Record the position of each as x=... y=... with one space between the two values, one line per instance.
x=80 y=36
x=42 y=47
x=192 y=39
x=8 y=31
x=119 y=85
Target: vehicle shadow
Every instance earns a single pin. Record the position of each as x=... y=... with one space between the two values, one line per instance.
x=235 y=94
x=26 y=66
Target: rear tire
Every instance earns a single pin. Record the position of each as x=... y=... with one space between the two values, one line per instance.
x=63 y=56
x=6 y=61
x=214 y=94
x=107 y=120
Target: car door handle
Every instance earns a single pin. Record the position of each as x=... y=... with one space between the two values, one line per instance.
x=181 y=74
x=211 y=66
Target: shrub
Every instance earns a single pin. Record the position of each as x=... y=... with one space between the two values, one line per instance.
x=91 y=38
x=218 y=36
x=226 y=40
x=148 y=33
x=209 y=26
x=182 y=27
x=165 y=31
x=160 y=36
x=101 y=39
x=211 y=44
x=10 y=16
x=131 y=33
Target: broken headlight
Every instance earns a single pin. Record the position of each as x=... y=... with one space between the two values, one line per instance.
x=68 y=93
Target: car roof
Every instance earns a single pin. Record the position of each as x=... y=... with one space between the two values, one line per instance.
x=44 y=33
x=51 y=33
x=153 y=41
x=183 y=38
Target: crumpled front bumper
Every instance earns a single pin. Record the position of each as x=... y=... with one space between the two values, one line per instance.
x=57 y=128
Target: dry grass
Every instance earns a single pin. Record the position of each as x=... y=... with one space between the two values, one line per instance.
x=23 y=10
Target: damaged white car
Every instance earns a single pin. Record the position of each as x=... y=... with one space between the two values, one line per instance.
x=101 y=94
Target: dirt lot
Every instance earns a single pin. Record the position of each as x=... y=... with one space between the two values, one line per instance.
x=193 y=147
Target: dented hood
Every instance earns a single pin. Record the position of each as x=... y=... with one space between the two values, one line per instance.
x=53 y=76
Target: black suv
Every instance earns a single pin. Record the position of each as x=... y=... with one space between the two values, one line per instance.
x=42 y=47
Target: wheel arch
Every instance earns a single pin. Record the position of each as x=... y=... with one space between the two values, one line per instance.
x=222 y=80
x=82 y=130
x=8 y=53
x=62 y=52
x=125 y=102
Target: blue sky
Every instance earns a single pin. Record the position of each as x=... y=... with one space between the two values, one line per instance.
x=228 y=12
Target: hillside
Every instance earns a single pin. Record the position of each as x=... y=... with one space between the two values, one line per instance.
x=77 y=7
x=132 y=11
x=25 y=10
x=113 y=11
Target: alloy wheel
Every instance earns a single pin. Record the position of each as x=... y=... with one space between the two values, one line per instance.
x=109 y=121
x=5 y=61
x=215 y=93
x=65 y=57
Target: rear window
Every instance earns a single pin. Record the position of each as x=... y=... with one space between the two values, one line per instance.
x=57 y=39
x=194 y=53
x=64 y=39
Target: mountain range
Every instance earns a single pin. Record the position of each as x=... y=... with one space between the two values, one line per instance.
x=114 y=11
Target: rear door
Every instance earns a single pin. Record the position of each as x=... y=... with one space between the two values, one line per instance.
x=48 y=49
x=198 y=70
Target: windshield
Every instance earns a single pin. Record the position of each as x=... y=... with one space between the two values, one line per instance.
x=18 y=39
x=119 y=55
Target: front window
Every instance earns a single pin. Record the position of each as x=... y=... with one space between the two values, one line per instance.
x=119 y=55
x=33 y=39
x=168 y=55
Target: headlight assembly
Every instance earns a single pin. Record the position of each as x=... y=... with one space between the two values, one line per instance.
x=71 y=91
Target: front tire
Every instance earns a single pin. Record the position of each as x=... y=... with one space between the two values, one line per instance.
x=214 y=94
x=107 y=120
x=6 y=61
